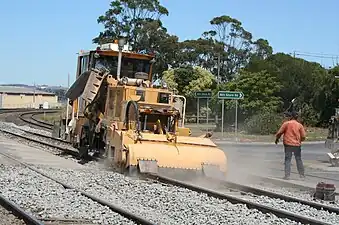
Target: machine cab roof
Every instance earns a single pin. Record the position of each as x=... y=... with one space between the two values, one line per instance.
x=106 y=56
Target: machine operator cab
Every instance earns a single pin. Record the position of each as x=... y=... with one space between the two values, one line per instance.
x=134 y=67
x=106 y=56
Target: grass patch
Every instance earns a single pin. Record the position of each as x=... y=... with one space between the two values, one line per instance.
x=49 y=117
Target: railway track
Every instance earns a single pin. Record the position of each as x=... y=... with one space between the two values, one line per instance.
x=11 y=214
x=243 y=194
x=44 y=140
x=284 y=183
x=266 y=209
x=161 y=211
x=47 y=138
x=252 y=205
x=252 y=195
x=29 y=118
x=66 y=147
x=59 y=195
x=274 y=192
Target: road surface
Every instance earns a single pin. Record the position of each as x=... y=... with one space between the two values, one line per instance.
x=268 y=159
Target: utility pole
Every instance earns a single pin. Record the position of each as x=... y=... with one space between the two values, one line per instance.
x=218 y=68
x=68 y=80
x=34 y=94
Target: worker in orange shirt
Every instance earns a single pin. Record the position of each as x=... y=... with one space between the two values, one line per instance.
x=293 y=134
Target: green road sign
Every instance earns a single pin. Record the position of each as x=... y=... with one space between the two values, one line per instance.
x=203 y=94
x=230 y=95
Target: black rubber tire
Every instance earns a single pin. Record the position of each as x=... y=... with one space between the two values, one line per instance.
x=83 y=150
x=136 y=109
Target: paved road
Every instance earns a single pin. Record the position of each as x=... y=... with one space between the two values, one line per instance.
x=268 y=159
x=309 y=151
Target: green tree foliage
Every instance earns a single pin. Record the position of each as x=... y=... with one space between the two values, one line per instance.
x=140 y=22
x=327 y=97
x=261 y=90
x=269 y=81
x=234 y=45
x=300 y=79
x=129 y=18
x=187 y=80
x=262 y=49
x=261 y=94
x=263 y=123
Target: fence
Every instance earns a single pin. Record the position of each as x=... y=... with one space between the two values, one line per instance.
x=213 y=121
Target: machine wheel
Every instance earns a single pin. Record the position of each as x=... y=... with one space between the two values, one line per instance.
x=132 y=114
x=83 y=145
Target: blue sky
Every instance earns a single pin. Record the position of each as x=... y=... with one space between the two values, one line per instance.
x=39 y=39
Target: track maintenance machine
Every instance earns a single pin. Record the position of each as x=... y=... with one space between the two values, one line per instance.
x=136 y=125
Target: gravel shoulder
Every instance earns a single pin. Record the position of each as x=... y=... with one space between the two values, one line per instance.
x=161 y=203
x=7 y=218
x=46 y=199
x=293 y=192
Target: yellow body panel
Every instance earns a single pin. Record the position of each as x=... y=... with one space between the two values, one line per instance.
x=187 y=153
x=180 y=156
x=184 y=131
x=180 y=139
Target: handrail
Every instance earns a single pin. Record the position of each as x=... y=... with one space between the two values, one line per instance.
x=184 y=109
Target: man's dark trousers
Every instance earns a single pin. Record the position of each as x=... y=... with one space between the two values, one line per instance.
x=288 y=157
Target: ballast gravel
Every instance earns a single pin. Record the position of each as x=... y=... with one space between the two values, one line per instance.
x=161 y=203
x=295 y=207
x=7 y=218
x=293 y=192
x=20 y=130
x=45 y=198
x=34 y=134
x=14 y=127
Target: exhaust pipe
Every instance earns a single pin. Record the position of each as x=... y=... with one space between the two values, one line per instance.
x=121 y=44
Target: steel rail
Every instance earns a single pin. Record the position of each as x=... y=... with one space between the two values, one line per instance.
x=48 y=137
x=40 y=121
x=258 y=191
x=36 y=122
x=284 y=183
x=19 y=212
x=115 y=208
x=63 y=149
x=236 y=200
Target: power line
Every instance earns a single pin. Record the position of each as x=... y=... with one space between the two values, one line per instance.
x=318 y=56
x=323 y=56
x=313 y=53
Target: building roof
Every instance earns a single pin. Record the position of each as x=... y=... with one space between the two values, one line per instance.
x=22 y=90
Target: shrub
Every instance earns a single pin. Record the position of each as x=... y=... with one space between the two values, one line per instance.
x=263 y=123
